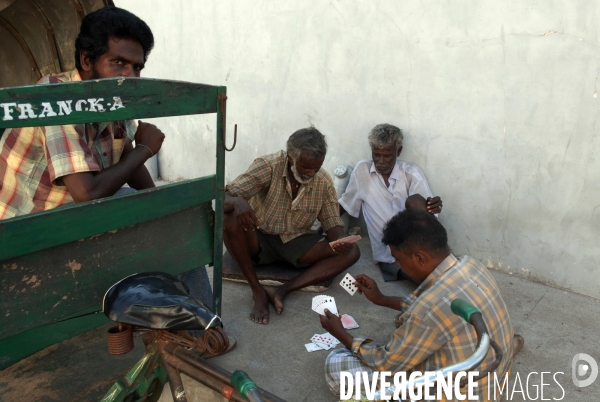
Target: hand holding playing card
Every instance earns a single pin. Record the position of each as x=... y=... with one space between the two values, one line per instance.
x=344 y=245
x=369 y=288
x=342 y=248
x=322 y=302
x=333 y=324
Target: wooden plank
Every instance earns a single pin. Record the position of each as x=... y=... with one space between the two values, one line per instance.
x=25 y=344
x=110 y=99
x=51 y=284
x=76 y=221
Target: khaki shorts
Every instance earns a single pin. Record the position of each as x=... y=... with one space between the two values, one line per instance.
x=272 y=249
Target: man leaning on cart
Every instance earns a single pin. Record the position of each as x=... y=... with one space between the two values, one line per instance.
x=43 y=168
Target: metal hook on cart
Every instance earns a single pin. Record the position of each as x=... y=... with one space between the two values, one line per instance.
x=223 y=99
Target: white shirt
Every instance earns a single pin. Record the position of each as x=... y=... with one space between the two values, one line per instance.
x=367 y=189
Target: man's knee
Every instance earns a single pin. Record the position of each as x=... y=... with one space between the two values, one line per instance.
x=230 y=223
x=354 y=255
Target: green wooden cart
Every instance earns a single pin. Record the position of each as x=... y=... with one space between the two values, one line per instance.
x=56 y=265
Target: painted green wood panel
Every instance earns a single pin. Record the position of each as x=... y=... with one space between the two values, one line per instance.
x=26 y=234
x=110 y=99
x=51 y=284
x=27 y=343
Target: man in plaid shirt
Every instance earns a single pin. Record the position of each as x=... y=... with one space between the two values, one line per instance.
x=45 y=167
x=269 y=211
x=428 y=335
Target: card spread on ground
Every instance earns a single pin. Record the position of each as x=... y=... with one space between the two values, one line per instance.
x=348 y=322
x=322 y=302
x=348 y=239
x=324 y=341
x=311 y=347
x=348 y=284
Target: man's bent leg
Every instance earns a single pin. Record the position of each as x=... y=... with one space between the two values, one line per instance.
x=242 y=245
x=198 y=284
x=326 y=264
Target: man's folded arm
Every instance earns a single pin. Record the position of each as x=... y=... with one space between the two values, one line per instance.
x=329 y=216
x=87 y=186
x=140 y=179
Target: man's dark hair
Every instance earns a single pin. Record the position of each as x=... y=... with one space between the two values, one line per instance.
x=108 y=21
x=308 y=141
x=413 y=230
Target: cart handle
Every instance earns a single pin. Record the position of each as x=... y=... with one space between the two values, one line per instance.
x=245 y=386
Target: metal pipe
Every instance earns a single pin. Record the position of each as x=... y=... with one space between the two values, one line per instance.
x=175 y=382
x=254 y=395
x=465 y=365
x=219 y=386
x=191 y=357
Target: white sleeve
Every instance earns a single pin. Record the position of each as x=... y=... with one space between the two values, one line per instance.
x=351 y=200
x=417 y=183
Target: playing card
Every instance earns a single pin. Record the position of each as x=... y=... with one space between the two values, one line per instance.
x=348 y=322
x=348 y=284
x=322 y=302
x=327 y=302
x=311 y=347
x=323 y=339
x=348 y=239
x=318 y=300
x=334 y=341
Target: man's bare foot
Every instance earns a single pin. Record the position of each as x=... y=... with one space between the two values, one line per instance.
x=277 y=295
x=518 y=342
x=260 y=308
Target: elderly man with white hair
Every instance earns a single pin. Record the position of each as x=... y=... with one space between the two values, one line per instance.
x=384 y=186
x=269 y=211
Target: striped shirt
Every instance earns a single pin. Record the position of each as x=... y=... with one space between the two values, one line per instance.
x=429 y=336
x=33 y=160
x=266 y=187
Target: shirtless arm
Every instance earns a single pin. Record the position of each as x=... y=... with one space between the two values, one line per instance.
x=141 y=178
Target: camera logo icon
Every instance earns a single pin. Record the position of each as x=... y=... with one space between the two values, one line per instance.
x=584 y=365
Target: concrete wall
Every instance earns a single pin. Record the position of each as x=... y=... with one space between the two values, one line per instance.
x=498 y=101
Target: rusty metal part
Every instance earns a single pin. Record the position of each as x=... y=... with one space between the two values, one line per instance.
x=203 y=378
x=227 y=392
x=175 y=383
x=120 y=339
x=223 y=100
x=214 y=342
x=196 y=361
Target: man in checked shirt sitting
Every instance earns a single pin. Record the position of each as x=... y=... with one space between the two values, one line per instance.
x=43 y=168
x=428 y=335
x=269 y=211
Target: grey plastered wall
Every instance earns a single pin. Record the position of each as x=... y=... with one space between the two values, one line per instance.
x=498 y=101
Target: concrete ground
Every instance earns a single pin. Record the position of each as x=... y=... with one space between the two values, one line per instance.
x=556 y=325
